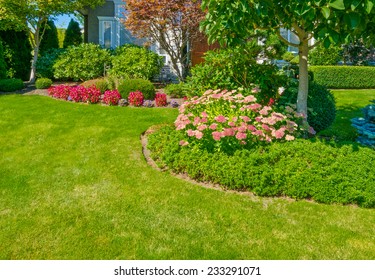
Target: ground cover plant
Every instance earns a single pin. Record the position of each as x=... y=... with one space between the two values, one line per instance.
x=74 y=185
x=222 y=138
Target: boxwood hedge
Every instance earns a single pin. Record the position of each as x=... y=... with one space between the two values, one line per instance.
x=301 y=169
x=344 y=77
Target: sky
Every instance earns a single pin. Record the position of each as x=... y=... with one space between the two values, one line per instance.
x=63 y=20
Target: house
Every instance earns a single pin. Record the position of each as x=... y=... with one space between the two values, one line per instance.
x=103 y=25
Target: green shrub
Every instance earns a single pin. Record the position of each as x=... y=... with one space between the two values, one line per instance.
x=177 y=90
x=288 y=56
x=131 y=62
x=325 y=56
x=43 y=83
x=44 y=65
x=83 y=62
x=301 y=169
x=9 y=85
x=101 y=84
x=320 y=103
x=144 y=86
x=345 y=77
x=234 y=68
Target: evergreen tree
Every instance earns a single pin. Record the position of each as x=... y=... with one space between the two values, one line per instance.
x=73 y=35
x=17 y=53
x=3 y=70
x=50 y=38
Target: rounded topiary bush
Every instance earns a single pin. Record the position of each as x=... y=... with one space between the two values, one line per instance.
x=132 y=85
x=321 y=105
x=9 y=85
x=43 y=83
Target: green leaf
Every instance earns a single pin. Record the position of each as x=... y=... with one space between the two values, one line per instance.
x=353 y=20
x=369 y=6
x=337 y=4
x=326 y=12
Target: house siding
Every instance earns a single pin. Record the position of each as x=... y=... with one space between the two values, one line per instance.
x=107 y=10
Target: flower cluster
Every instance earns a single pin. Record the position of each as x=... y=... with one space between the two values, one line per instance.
x=227 y=120
x=136 y=98
x=75 y=93
x=111 y=97
x=161 y=99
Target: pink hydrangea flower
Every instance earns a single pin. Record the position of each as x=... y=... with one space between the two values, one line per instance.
x=228 y=132
x=245 y=118
x=241 y=135
x=202 y=127
x=197 y=120
x=278 y=134
x=250 y=99
x=220 y=119
x=216 y=135
x=190 y=133
x=204 y=115
x=231 y=124
x=184 y=143
x=213 y=126
x=198 y=134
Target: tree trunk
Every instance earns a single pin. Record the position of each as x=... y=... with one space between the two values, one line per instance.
x=303 y=87
x=33 y=64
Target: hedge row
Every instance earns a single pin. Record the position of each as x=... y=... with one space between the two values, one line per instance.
x=302 y=169
x=345 y=77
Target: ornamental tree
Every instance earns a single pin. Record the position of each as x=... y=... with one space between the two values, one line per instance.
x=32 y=15
x=328 y=21
x=171 y=23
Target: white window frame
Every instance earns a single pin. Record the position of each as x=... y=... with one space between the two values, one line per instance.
x=112 y=21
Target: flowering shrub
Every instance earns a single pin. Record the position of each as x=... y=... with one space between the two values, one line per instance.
x=136 y=98
x=75 y=93
x=161 y=99
x=111 y=97
x=227 y=120
x=60 y=91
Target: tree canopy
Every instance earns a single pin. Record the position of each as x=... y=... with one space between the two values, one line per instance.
x=171 y=23
x=32 y=15
x=327 y=21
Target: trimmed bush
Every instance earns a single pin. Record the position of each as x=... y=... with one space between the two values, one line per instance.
x=43 y=83
x=301 y=169
x=83 y=62
x=132 y=62
x=101 y=84
x=321 y=105
x=144 y=86
x=345 y=77
x=325 y=56
x=9 y=85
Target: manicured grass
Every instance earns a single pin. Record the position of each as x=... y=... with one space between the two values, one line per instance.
x=349 y=104
x=74 y=185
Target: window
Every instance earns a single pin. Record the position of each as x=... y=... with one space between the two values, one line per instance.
x=107 y=32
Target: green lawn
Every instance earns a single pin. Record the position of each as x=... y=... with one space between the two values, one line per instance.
x=74 y=185
x=349 y=105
